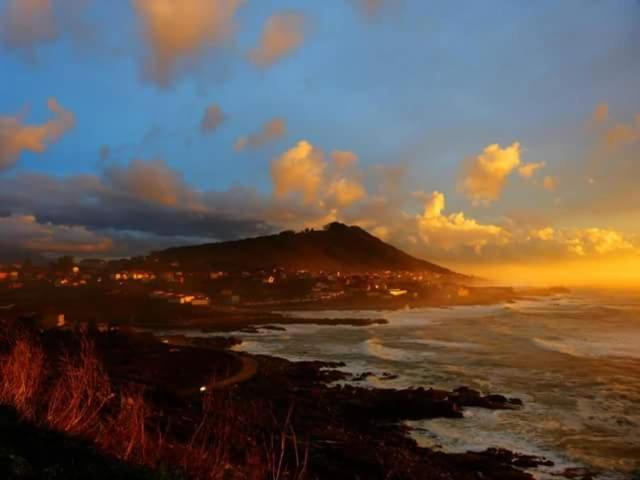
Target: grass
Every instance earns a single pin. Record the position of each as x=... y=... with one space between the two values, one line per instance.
x=73 y=395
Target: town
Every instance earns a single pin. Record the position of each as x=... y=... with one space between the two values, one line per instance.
x=152 y=289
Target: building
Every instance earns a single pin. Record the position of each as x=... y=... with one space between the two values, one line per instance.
x=201 y=301
x=181 y=299
x=397 y=292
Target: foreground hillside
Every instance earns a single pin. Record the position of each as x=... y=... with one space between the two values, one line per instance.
x=337 y=247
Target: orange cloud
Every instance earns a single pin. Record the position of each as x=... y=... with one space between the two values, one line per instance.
x=486 y=174
x=282 y=34
x=299 y=170
x=619 y=134
x=600 y=114
x=597 y=241
x=344 y=159
x=544 y=234
x=151 y=181
x=16 y=137
x=550 y=183
x=211 y=119
x=622 y=134
x=528 y=170
x=177 y=32
x=303 y=169
x=271 y=130
x=455 y=230
x=345 y=191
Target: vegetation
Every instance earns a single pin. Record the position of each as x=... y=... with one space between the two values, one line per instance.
x=71 y=393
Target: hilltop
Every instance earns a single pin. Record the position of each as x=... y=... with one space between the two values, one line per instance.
x=337 y=247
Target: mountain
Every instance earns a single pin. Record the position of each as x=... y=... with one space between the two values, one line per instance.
x=337 y=247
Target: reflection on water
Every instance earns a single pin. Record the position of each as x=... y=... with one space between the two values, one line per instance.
x=574 y=360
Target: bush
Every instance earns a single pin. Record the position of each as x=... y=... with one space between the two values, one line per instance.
x=80 y=394
x=22 y=372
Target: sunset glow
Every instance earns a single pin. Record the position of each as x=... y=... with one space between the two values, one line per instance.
x=320 y=239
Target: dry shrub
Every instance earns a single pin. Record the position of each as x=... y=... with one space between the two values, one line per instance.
x=79 y=396
x=126 y=433
x=282 y=451
x=21 y=373
x=207 y=454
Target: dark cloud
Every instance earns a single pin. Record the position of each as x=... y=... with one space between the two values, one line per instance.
x=137 y=204
x=28 y=25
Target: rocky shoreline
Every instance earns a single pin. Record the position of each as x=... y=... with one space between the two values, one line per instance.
x=259 y=407
x=358 y=432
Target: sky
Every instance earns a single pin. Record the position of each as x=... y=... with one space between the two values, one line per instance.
x=500 y=138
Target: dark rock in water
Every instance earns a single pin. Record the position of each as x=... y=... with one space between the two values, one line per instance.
x=362 y=376
x=580 y=473
x=391 y=404
x=275 y=328
x=467 y=391
x=497 y=398
x=216 y=342
x=468 y=397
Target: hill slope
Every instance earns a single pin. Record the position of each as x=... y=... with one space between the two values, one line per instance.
x=337 y=247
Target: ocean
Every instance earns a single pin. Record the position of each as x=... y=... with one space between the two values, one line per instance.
x=573 y=359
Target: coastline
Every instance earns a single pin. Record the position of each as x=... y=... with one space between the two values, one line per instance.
x=239 y=318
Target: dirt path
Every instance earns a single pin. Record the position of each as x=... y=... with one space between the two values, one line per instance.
x=248 y=368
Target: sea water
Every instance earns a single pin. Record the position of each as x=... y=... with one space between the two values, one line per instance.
x=573 y=359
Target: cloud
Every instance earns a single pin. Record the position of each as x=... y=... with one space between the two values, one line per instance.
x=299 y=170
x=146 y=197
x=16 y=137
x=178 y=33
x=544 y=234
x=145 y=205
x=370 y=8
x=528 y=170
x=344 y=159
x=305 y=170
x=24 y=231
x=597 y=241
x=486 y=174
x=345 y=191
x=617 y=135
x=600 y=114
x=622 y=134
x=550 y=183
x=150 y=181
x=211 y=119
x=26 y=25
x=282 y=34
x=270 y=131
x=455 y=230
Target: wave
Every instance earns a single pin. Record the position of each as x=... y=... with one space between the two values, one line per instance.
x=447 y=344
x=615 y=347
x=375 y=348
